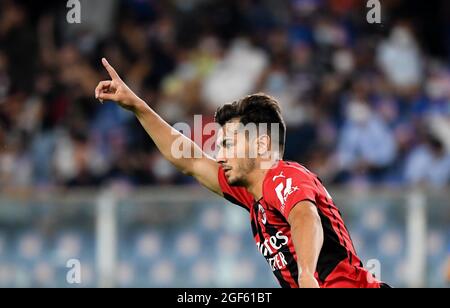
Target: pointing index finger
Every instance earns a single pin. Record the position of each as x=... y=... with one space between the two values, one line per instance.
x=111 y=71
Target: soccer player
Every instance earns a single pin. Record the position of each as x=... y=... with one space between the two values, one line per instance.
x=295 y=223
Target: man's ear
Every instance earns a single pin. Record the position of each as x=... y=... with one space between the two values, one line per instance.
x=263 y=144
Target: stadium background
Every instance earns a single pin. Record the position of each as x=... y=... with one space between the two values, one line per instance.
x=367 y=108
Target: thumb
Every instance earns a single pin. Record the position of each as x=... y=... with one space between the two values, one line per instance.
x=107 y=97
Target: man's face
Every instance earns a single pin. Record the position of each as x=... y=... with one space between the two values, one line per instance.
x=234 y=153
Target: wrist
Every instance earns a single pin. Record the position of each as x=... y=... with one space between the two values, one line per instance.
x=307 y=280
x=306 y=274
x=140 y=107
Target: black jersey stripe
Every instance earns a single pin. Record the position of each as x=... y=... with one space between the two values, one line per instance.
x=349 y=252
x=288 y=254
x=278 y=274
x=235 y=201
x=254 y=228
x=338 y=225
x=332 y=252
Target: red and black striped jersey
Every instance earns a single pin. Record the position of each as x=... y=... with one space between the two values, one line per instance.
x=284 y=186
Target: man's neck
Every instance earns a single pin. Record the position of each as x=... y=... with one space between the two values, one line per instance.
x=256 y=178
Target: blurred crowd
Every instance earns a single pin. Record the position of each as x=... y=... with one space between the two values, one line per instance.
x=364 y=103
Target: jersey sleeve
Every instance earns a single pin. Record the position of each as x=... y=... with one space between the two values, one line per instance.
x=237 y=195
x=288 y=187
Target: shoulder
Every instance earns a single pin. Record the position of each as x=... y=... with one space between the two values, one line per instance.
x=288 y=184
x=286 y=176
x=285 y=170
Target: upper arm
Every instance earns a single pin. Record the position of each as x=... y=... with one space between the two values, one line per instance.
x=205 y=170
x=307 y=235
x=303 y=210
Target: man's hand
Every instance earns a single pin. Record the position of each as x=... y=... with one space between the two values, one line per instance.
x=116 y=90
x=307 y=280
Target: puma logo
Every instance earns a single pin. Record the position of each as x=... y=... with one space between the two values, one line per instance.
x=278 y=176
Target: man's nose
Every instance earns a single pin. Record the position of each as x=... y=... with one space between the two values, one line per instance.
x=220 y=157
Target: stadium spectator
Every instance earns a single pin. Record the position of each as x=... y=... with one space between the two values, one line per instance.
x=428 y=163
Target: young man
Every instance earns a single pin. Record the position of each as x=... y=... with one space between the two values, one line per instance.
x=295 y=223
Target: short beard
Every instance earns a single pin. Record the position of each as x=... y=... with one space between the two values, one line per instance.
x=245 y=168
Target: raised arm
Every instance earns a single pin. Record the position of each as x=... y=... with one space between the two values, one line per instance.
x=203 y=168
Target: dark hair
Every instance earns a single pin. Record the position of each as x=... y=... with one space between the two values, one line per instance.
x=256 y=108
x=434 y=142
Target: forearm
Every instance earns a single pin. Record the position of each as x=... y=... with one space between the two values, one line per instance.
x=166 y=138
